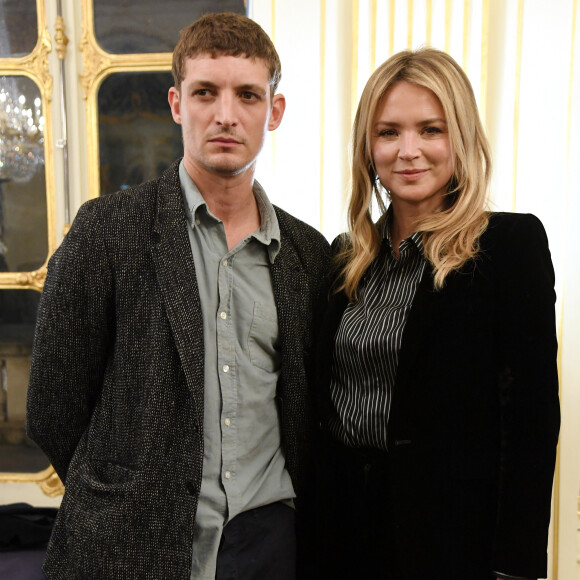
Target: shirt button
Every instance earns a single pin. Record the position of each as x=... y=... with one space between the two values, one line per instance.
x=225 y=263
x=227 y=474
x=197 y=222
x=223 y=315
x=226 y=368
x=227 y=422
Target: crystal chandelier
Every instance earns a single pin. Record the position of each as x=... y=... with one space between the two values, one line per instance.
x=21 y=134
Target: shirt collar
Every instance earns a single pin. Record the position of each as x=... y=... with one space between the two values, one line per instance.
x=269 y=231
x=384 y=227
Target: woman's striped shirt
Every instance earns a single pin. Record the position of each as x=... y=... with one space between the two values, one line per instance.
x=367 y=345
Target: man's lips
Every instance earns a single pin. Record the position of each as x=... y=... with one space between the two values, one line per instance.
x=224 y=141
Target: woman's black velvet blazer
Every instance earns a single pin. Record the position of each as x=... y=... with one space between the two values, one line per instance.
x=475 y=414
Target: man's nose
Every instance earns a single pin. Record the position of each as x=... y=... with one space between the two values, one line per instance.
x=225 y=113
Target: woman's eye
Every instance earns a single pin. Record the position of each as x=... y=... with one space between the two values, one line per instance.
x=387 y=133
x=432 y=130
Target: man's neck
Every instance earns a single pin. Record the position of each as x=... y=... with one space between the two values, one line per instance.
x=230 y=198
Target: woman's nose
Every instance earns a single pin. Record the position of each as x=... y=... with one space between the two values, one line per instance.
x=409 y=146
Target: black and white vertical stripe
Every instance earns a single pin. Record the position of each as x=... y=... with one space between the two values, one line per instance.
x=367 y=345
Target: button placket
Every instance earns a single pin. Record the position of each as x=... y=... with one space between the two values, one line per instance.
x=227 y=374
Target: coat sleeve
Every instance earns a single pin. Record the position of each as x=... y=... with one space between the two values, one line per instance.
x=528 y=390
x=71 y=342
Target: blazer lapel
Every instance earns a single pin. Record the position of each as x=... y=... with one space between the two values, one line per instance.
x=290 y=284
x=175 y=269
x=416 y=331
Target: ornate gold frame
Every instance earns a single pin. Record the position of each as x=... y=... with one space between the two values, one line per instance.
x=97 y=65
x=47 y=480
x=35 y=67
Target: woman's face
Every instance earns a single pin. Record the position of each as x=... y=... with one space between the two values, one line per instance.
x=411 y=148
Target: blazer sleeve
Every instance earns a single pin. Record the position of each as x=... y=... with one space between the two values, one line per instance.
x=71 y=341
x=528 y=390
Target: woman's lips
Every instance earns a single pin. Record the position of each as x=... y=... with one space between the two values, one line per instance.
x=411 y=174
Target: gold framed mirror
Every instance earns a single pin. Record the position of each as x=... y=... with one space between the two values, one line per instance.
x=27 y=224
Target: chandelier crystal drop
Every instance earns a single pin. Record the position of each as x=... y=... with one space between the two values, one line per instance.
x=21 y=134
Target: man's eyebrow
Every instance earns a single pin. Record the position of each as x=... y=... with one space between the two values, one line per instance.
x=203 y=84
x=252 y=87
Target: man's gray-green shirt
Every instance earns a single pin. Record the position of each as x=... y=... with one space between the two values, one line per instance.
x=243 y=463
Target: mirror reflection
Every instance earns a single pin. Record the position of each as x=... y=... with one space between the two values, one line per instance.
x=149 y=25
x=18 y=454
x=18 y=27
x=138 y=138
x=23 y=210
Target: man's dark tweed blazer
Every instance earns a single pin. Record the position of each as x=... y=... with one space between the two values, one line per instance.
x=116 y=390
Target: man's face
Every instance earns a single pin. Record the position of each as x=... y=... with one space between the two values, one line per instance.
x=225 y=107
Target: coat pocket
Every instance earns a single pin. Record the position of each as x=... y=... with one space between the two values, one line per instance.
x=102 y=476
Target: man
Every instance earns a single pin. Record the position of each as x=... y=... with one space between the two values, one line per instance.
x=170 y=375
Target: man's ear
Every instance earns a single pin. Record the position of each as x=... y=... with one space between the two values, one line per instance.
x=173 y=98
x=278 y=108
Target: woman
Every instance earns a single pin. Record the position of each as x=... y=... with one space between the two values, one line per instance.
x=437 y=354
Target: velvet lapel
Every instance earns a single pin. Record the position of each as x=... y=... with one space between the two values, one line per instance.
x=416 y=334
x=175 y=269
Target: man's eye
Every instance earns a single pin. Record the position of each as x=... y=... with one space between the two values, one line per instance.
x=202 y=92
x=248 y=96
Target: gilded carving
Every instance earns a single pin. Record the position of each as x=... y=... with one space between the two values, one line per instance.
x=34 y=65
x=52 y=486
x=38 y=63
x=25 y=280
x=47 y=480
x=60 y=38
x=36 y=279
x=94 y=61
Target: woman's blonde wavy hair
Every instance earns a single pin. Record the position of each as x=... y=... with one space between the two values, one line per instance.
x=451 y=235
